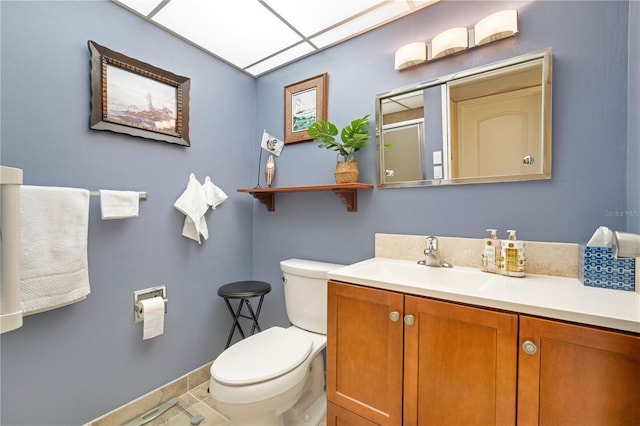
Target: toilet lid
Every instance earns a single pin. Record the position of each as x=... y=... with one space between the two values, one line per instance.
x=263 y=356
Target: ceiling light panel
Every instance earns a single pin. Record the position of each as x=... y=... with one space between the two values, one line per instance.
x=288 y=55
x=312 y=16
x=143 y=7
x=368 y=21
x=241 y=32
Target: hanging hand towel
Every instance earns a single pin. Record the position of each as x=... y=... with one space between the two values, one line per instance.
x=53 y=263
x=119 y=204
x=193 y=204
x=215 y=195
x=190 y=230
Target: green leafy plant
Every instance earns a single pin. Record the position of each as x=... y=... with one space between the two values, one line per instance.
x=354 y=136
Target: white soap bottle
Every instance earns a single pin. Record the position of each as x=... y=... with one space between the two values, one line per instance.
x=513 y=256
x=491 y=252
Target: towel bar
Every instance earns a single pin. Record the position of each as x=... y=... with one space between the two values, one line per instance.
x=142 y=195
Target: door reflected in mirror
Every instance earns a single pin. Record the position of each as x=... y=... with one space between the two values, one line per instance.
x=488 y=124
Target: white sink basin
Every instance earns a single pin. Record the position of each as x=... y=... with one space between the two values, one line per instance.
x=406 y=273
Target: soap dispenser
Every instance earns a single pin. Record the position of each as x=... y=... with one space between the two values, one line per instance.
x=491 y=252
x=513 y=256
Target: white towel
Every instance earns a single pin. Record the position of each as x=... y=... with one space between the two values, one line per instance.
x=119 y=204
x=53 y=264
x=215 y=195
x=193 y=204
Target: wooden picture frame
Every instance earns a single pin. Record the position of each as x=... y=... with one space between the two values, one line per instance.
x=304 y=103
x=133 y=97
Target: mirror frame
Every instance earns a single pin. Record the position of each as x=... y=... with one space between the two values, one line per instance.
x=544 y=54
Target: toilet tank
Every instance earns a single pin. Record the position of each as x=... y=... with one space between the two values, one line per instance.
x=305 y=292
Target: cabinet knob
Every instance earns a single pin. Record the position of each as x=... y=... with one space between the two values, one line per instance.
x=394 y=316
x=408 y=319
x=529 y=347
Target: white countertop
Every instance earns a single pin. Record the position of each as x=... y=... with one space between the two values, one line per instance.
x=541 y=295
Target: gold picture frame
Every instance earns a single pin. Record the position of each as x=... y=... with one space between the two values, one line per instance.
x=133 y=97
x=305 y=102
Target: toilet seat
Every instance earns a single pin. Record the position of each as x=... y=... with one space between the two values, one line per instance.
x=261 y=357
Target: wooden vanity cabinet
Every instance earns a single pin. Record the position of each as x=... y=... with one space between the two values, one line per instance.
x=395 y=359
x=578 y=375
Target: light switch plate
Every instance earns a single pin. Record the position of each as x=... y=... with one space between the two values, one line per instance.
x=437 y=157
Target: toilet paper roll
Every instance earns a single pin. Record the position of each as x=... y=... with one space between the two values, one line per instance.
x=152 y=317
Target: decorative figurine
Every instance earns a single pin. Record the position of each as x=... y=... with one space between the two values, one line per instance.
x=270 y=170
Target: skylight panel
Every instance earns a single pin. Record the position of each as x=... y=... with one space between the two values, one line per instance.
x=143 y=7
x=280 y=59
x=240 y=31
x=247 y=34
x=365 y=22
x=313 y=16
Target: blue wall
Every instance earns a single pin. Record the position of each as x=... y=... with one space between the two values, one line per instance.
x=633 y=123
x=589 y=183
x=73 y=364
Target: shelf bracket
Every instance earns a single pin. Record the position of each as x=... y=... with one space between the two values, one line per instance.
x=266 y=198
x=348 y=197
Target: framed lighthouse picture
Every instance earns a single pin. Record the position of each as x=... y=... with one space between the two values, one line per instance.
x=132 y=97
x=305 y=102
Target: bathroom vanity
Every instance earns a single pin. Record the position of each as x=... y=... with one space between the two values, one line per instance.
x=423 y=347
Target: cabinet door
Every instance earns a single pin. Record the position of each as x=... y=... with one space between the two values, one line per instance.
x=364 y=352
x=460 y=365
x=338 y=416
x=578 y=375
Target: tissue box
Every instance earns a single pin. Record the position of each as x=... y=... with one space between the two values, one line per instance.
x=598 y=267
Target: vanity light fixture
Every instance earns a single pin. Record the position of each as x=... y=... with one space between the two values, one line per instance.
x=411 y=54
x=491 y=28
x=496 y=26
x=449 y=42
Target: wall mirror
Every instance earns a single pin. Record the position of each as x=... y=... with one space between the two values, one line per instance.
x=486 y=124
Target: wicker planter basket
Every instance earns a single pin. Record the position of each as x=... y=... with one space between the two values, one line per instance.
x=346 y=172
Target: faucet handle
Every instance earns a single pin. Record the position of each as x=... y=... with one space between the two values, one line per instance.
x=432 y=243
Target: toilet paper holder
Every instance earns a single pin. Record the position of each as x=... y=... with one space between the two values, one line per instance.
x=148 y=293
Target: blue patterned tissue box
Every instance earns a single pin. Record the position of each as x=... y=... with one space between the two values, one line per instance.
x=598 y=267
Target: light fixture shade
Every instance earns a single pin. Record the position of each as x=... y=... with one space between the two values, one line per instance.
x=496 y=26
x=411 y=54
x=449 y=42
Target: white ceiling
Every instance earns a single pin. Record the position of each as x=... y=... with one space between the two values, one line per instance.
x=258 y=36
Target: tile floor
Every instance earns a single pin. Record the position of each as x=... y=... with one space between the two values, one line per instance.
x=192 y=392
x=197 y=401
x=191 y=389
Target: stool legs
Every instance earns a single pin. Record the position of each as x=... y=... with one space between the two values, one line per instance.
x=254 y=316
x=237 y=314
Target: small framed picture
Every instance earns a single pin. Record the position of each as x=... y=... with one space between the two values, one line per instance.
x=133 y=97
x=305 y=102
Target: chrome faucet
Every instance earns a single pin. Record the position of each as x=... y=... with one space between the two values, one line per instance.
x=431 y=254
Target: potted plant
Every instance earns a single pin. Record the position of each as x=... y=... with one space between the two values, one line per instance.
x=353 y=138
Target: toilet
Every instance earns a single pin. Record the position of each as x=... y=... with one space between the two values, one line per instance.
x=276 y=377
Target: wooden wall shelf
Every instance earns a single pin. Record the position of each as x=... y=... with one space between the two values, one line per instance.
x=347 y=192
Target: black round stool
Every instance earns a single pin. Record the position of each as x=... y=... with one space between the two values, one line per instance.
x=244 y=290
